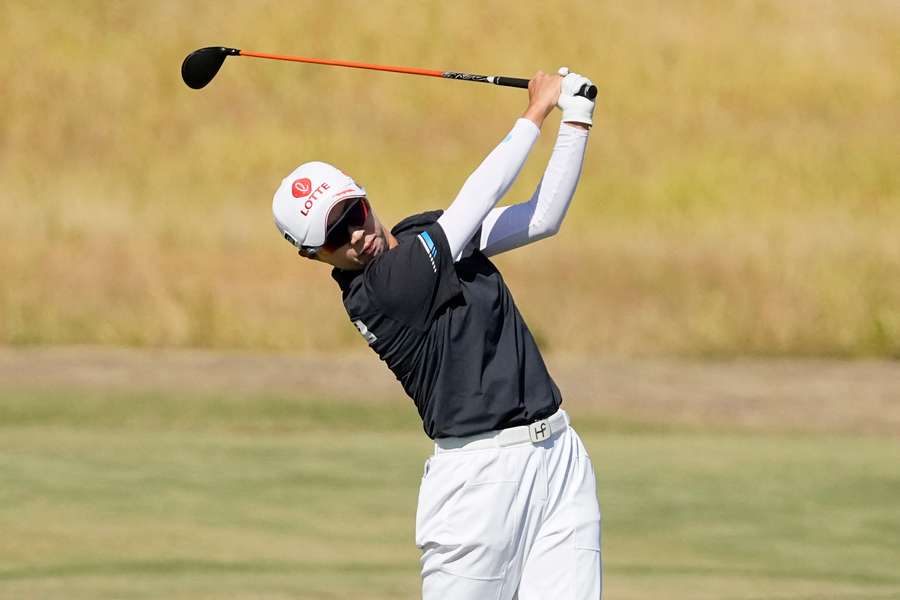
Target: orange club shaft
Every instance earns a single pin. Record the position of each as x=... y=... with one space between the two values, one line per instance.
x=346 y=63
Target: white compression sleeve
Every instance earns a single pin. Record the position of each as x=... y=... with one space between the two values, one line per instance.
x=510 y=227
x=486 y=185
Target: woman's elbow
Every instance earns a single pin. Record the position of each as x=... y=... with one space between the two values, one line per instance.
x=540 y=231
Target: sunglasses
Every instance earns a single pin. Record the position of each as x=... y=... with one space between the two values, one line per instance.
x=354 y=216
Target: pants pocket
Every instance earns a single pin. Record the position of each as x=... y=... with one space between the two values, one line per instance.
x=589 y=563
x=467 y=521
x=482 y=530
x=586 y=508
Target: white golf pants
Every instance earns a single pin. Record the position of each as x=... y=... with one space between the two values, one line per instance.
x=502 y=517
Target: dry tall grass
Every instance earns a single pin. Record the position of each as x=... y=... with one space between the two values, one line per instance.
x=741 y=194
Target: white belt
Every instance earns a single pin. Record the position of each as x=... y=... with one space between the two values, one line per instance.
x=523 y=434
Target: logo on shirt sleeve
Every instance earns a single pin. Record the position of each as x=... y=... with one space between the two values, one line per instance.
x=430 y=248
x=364 y=331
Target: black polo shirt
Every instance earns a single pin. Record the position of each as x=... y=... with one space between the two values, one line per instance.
x=450 y=332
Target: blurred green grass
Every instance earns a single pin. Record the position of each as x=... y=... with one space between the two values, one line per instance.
x=171 y=495
x=741 y=193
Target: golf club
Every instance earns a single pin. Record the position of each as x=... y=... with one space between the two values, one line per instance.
x=200 y=66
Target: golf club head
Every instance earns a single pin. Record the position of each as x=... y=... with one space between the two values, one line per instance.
x=200 y=66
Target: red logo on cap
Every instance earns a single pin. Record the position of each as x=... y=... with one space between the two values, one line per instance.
x=301 y=187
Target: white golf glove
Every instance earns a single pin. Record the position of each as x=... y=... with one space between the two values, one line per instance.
x=576 y=109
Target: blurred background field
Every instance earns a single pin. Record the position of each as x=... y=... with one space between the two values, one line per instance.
x=741 y=193
x=186 y=412
x=134 y=510
x=218 y=476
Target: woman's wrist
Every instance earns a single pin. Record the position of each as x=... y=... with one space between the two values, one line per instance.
x=537 y=113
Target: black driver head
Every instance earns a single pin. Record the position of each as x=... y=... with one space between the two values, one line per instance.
x=200 y=66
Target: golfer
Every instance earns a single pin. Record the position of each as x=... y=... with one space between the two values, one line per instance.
x=507 y=505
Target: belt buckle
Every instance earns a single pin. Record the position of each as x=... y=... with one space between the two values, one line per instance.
x=539 y=431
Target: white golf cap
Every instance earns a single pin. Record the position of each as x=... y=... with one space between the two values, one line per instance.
x=304 y=199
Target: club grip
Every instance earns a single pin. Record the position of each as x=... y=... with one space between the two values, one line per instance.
x=587 y=91
x=511 y=81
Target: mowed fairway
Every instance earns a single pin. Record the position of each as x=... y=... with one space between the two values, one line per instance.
x=248 y=495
